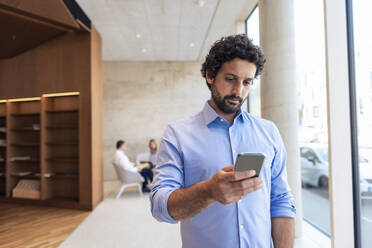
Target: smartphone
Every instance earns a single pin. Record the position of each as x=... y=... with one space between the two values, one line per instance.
x=250 y=161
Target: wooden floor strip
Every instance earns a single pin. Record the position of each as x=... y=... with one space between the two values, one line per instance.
x=36 y=226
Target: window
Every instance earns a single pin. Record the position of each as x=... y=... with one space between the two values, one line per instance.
x=361 y=13
x=316 y=111
x=312 y=109
x=253 y=32
x=361 y=112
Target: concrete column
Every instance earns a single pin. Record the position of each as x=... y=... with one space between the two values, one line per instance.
x=278 y=85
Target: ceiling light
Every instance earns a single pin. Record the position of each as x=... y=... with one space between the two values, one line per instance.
x=143 y=50
x=138 y=36
x=200 y=3
x=192 y=44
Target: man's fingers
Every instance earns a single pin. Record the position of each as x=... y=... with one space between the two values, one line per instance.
x=249 y=173
x=248 y=185
x=231 y=185
x=251 y=189
x=240 y=175
x=228 y=168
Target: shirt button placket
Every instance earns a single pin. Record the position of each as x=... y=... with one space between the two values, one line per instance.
x=232 y=145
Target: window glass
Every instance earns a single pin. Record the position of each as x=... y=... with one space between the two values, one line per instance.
x=253 y=32
x=312 y=108
x=363 y=78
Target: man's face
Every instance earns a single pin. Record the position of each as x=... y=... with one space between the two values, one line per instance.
x=122 y=147
x=232 y=84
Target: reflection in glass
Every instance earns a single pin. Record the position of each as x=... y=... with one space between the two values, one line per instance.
x=363 y=76
x=312 y=108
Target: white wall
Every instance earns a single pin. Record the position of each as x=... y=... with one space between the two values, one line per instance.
x=141 y=98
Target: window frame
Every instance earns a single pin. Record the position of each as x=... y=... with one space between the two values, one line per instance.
x=341 y=150
x=353 y=123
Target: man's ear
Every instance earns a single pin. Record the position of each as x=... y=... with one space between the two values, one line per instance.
x=208 y=78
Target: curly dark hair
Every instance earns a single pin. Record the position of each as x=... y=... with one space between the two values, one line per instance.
x=119 y=143
x=229 y=48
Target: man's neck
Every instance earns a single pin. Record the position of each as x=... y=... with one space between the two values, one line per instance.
x=228 y=117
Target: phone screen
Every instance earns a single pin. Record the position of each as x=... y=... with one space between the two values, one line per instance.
x=250 y=161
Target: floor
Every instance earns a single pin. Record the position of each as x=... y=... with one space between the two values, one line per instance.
x=312 y=238
x=34 y=226
x=127 y=222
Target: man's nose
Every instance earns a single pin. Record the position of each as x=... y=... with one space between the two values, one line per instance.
x=238 y=88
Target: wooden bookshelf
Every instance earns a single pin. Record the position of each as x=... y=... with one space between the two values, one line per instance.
x=25 y=177
x=61 y=111
x=42 y=143
x=23 y=148
x=31 y=160
x=26 y=144
x=76 y=67
x=2 y=147
x=60 y=148
x=56 y=127
x=25 y=129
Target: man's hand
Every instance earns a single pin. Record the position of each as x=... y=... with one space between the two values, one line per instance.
x=228 y=186
x=142 y=166
x=138 y=167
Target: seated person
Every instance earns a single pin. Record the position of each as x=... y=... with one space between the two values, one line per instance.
x=153 y=152
x=148 y=160
x=121 y=159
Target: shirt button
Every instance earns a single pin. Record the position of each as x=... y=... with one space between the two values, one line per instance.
x=241 y=226
x=234 y=151
x=221 y=119
x=240 y=200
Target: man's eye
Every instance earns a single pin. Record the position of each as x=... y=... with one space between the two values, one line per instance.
x=250 y=83
x=229 y=79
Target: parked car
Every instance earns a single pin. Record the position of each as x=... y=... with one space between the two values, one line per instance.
x=314 y=168
x=365 y=171
x=314 y=165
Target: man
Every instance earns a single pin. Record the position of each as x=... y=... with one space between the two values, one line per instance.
x=121 y=159
x=194 y=183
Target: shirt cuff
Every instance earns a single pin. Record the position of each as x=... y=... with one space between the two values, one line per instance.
x=160 y=208
x=287 y=212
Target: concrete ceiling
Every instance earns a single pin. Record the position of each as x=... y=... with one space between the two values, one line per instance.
x=163 y=30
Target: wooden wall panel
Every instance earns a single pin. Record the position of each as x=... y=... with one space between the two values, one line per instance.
x=60 y=65
x=97 y=118
x=54 y=10
x=19 y=34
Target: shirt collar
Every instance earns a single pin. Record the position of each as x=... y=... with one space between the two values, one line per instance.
x=243 y=115
x=210 y=114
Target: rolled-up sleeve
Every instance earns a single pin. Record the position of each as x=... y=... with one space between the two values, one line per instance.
x=282 y=204
x=169 y=176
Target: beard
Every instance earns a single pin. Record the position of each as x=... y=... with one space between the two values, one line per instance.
x=222 y=102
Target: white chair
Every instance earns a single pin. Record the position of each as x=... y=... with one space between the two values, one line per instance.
x=128 y=179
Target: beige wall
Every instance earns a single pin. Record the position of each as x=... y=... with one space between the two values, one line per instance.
x=141 y=98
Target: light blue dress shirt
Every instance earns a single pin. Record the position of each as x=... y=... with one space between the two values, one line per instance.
x=194 y=149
